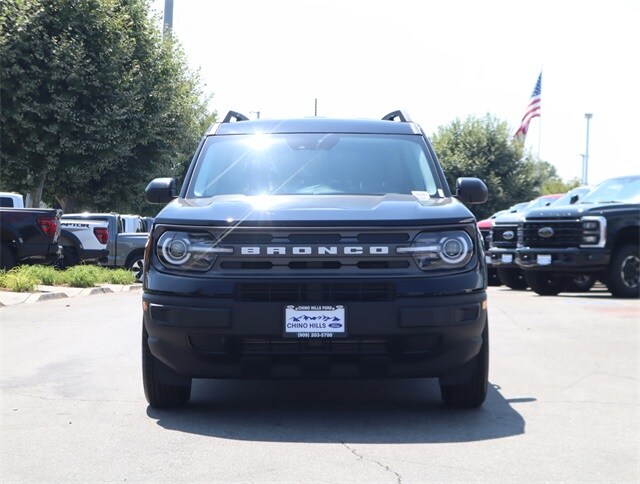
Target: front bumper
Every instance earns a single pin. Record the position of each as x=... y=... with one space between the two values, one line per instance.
x=502 y=258
x=221 y=337
x=581 y=260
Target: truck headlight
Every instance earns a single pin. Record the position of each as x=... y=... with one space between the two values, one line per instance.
x=440 y=250
x=594 y=231
x=191 y=251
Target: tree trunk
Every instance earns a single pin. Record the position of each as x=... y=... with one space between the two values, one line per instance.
x=68 y=204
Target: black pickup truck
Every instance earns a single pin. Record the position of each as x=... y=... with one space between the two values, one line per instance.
x=29 y=236
x=598 y=236
x=315 y=248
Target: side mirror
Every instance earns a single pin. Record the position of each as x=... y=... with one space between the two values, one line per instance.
x=471 y=190
x=160 y=190
x=574 y=199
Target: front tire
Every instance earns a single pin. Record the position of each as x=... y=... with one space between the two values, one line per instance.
x=513 y=279
x=622 y=274
x=158 y=393
x=581 y=283
x=545 y=283
x=473 y=393
x=135 y=263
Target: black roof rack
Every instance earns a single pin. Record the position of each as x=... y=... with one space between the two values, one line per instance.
x=233 y=115
x=398 y=115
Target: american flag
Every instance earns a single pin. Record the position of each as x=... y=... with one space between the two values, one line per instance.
x=533 y=110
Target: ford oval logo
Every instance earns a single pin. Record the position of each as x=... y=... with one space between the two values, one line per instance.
x=545 y=232
x=508 y=235
x=335 y=325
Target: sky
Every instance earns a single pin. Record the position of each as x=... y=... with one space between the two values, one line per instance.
x=437 y=60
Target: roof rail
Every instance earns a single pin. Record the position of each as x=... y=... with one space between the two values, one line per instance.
x=398 y=115
x=233 y=115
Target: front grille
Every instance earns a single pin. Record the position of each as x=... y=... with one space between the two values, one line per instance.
x=315 y=292
x=498 y=236
x=565 y=234
x=314 y=250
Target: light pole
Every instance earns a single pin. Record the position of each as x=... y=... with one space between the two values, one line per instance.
x=257 y=113
x=585 y=158
x=168 y=18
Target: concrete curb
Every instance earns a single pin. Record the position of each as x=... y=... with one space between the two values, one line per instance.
x=48 y=293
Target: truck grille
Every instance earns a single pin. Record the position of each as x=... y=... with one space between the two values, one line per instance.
x=498 y=238
x=563 y=234
x=315 y=292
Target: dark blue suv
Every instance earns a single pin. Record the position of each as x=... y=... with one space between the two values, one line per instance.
x=315 y=248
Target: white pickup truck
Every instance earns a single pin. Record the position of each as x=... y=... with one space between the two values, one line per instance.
x=83 y=241
x=122 y=242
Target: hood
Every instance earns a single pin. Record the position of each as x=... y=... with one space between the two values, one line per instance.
x=509 y=218
x=578 y=210
x=487 y=223
x=392 y=209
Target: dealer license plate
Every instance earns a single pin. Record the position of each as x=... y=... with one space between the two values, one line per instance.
x=507 y=258
x=544 y=260
x=314 y=321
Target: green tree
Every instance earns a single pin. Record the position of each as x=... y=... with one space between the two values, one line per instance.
x=485 y=148
x=95 y=102
x=558 y=185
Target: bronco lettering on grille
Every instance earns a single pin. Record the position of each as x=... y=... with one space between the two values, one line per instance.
x=318 y=250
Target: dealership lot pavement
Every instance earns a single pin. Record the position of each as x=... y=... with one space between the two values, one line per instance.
x=564 y=405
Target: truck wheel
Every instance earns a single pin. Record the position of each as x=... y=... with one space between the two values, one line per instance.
x=7 y=259
x=135 y=263
x=581 y=283
x=622 y=273
x=492 y=278
x=513 y=279
x=159 y=394
x=545 y=283
x=473 y=393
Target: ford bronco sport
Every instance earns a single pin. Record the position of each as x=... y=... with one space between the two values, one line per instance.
x=315 y=248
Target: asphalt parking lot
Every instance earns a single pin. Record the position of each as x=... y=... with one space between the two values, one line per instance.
x=564 y=405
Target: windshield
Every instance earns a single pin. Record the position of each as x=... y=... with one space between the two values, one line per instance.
x=621 y=190
x=565 y=199
x=539 y=202
x=314 y=164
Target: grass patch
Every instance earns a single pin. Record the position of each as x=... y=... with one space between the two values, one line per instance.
x=47 y=275
x=25 y=278
x=18 y=281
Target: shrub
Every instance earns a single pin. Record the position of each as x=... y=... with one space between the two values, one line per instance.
x=82 y=276
x=119 y=276
x=18 y=281
x=46 y=275
x=24 y=278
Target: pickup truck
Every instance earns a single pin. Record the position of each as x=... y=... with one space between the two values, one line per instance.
x=29 y=236
x=83 y=241
x=597 y=237
x=125 y=237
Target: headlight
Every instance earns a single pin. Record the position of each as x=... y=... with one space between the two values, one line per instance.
x=594 y=231
x=190 y=251
x=440 y=250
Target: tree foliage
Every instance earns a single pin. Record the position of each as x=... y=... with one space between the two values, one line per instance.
x=94 y=102
x=485 y=148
